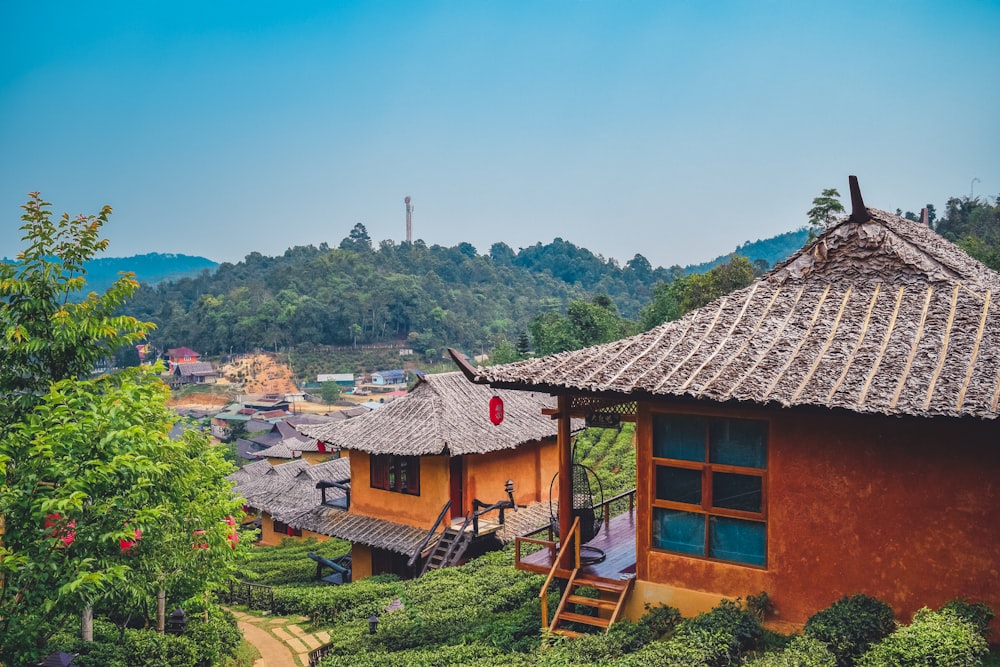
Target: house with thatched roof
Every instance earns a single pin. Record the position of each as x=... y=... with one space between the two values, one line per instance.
x=280 y=493
x=830 y=429
x=420 y=463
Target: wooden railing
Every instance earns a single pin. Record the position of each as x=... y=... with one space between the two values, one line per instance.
x=248 y=593
x=574 y=538
x=318 y=654
x=614 y=506
x=430 y=535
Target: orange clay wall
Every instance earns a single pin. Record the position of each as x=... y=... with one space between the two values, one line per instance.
x=531 y=467
x=904 y=509
x=267 y=535
x=361 y=562
x=419 y=511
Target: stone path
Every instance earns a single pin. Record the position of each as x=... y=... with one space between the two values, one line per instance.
x=281 y=641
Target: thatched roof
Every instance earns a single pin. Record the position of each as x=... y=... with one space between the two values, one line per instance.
x=402 y=538
x=878 y=315
x=443 y=414
x=360 y=529
x=288 y=489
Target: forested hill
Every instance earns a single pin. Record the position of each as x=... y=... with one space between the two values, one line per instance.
x=151 y=268
x=409 y=294
x=423 y=297
x=773 y=250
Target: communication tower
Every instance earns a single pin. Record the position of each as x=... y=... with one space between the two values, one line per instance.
x=409 y=219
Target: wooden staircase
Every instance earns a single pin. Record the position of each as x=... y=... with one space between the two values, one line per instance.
x=450 y=547
x=607 y=607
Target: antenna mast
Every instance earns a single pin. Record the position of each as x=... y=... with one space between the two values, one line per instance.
x=409 y=219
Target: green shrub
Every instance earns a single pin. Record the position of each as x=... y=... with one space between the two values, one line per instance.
x=850 y=625
x=204 y=644
x=802 y=651
x=659 y=620
x=717 y=638
x=976 y=613
x=934 y=639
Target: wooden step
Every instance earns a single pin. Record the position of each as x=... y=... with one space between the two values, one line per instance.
x=596 y=621
x=601 y=584
x=592 y=602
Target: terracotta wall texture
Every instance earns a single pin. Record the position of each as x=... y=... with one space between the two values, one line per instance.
x=904 y=509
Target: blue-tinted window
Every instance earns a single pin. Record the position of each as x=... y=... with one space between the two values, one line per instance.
x=675 y=530
x=736 y=492
x=681 y=485
x=737 y=540
x=679 y=437
x=722 y=481
x=738 y=442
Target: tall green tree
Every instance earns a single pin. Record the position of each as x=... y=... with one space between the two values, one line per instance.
x=671 y=301
x=357 y=240
x=329 y=392
x=92 y=488
x=48 y=332
x=825 y=210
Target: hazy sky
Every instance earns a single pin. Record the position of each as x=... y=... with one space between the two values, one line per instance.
x=675 y=129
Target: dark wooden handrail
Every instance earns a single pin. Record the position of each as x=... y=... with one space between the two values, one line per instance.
x=430 y=534
x=530 y=538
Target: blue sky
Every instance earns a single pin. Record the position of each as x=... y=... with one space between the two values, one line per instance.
x=673 y=129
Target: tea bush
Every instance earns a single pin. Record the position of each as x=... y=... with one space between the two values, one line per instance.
x=802 y=651
x=716 y=638
x=934 y=638
x=850 y=625
x=325 y=604
x=204 y=644
x=976 y=613
x=290 y=563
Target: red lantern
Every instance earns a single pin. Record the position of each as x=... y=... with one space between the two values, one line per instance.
x=496 y=410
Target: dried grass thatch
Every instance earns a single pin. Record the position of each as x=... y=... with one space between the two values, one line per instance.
x=443 y=414
x=882 y=316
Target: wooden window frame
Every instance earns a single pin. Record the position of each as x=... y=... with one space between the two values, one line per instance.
x=282 y=528
x=705 y=507
x=395 y=473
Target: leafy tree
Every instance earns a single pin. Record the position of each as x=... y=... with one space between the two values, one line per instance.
x=504 y=352
x=126 y=356
x=523 y=344
x=825 y=209
x=95 y=497
x=358 y=240
x=46 y=335
x=671 y=301
x=329 y=392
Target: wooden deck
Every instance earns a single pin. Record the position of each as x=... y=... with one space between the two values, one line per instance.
x=616 y=539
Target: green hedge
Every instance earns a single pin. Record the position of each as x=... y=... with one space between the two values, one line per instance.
x=850 y=625
x=204 y=644
x=934 y=639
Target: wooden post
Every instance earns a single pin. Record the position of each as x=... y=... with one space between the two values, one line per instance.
x=565 y=477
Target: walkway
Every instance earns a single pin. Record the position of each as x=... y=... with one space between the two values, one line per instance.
x=281 y=641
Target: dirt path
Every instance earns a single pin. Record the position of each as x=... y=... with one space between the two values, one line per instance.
x=281 y=641
x=273 y=653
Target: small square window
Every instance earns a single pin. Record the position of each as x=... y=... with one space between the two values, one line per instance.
x=675 y=530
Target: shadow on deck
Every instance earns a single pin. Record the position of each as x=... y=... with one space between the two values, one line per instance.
x=616 y=539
